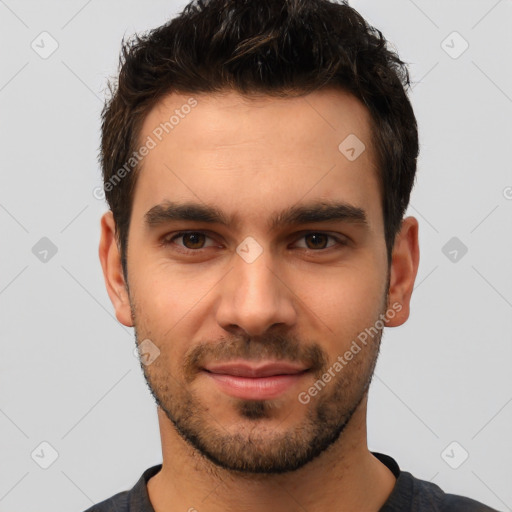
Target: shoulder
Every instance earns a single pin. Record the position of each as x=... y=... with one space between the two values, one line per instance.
x=454 y=503
x=133 y=500
x=427 y=496
x=411 y=494
x=117 y=503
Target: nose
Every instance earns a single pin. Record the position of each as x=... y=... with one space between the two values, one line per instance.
x=254 y=297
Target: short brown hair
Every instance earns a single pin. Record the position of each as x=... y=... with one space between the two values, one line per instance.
x=274 y=47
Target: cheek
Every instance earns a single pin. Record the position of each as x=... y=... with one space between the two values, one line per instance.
x=170 y=291
x=171 y=303
x=340 y=305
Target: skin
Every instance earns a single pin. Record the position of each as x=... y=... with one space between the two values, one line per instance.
x=301 y=299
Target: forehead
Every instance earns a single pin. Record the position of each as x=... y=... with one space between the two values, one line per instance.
x=254 y=156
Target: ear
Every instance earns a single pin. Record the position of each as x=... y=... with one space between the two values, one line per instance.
x=404 y=267
x=110 y=258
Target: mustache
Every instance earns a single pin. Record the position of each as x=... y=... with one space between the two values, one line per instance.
x=271 y=346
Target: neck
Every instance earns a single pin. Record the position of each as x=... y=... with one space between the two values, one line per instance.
x=345 y=477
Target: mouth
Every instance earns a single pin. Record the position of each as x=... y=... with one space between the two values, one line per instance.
x=264 y=381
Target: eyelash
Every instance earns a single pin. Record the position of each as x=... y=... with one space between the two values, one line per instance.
x=166 y=241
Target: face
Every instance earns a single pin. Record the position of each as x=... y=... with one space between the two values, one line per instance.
x=256 y=258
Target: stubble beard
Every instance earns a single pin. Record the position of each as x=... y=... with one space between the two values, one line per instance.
x=253 y=445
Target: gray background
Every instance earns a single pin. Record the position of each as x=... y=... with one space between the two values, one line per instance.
x=68 y=376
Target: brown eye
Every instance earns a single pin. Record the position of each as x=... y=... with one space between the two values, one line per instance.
x=189 y=242
x=193 y=240
x=320 y=241
x=316 y=240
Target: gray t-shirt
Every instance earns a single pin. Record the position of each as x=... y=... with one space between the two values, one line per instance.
x=409 y=495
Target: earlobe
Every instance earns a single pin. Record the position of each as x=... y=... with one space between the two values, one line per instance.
x=404 y=267
x=110 y=259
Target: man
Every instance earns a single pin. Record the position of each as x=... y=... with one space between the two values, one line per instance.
x=258 y=158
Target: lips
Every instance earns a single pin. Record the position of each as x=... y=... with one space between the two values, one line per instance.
x=244 y=369
x=249 y=381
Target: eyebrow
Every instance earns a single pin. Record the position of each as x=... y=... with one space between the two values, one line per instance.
x=323 y=211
